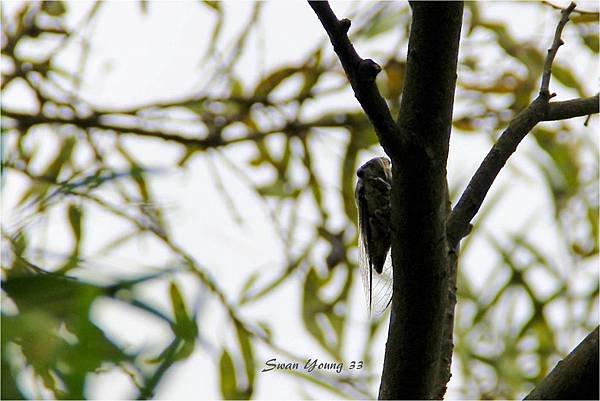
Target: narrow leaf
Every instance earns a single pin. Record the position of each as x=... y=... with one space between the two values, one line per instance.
x=228 y=379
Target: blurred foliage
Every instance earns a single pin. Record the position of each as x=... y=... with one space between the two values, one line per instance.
x=46 y=311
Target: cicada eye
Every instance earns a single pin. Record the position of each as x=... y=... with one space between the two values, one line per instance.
x=360 y=172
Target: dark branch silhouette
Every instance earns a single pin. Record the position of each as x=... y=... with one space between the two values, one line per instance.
x=361 y=73
x=573 y=378
x=556 y=43
x=418 y=147
x=539 y=110
x=571 y=108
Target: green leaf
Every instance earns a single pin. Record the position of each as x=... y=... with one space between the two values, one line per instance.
x=280 y=279
x=185 y=327
x=584 y=18
x=137 y=174
x=39 y=189
x=237 y=87
x=143 y=6
x=475 y=18
x=20 y=243
x=505 y=40
x=395 y=71
x=248 y=356
x=229 y=388
x=62 y=157
x=384 y=23
x=50 y=305
x=8 y=387
x=278 y=189
x=264 y=155
x=54 y=8
x=564 y=173
x=591 y=41
x=565 y=76
x=465 y=123
x=215 y=5
x=271 y=81
x=75 y=217
x=313 y=309
x=185 y=350
x=217 y=28
x=311 y=77
x=248 y=284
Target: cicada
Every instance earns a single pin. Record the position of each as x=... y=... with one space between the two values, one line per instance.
x=373 y=198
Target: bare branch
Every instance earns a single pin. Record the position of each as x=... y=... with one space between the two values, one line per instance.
x=572 y=108
x=361 y=73
x=539 y=110
x=556 y=43
x=573 y=378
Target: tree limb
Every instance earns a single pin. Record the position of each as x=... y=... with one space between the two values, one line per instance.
x=573 y=378
x=361 y=73
x=25 y=120
x=419 y=345
x=539 y=110
x=571 y=108
x=556 y=43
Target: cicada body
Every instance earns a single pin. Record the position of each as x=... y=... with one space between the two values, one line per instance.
x=373 y=198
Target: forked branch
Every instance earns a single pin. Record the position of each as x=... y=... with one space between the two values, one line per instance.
x=539 y=110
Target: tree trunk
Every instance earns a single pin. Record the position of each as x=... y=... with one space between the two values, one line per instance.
x=413 y=356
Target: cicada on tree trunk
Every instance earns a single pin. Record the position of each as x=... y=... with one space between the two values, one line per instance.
x=373 y=198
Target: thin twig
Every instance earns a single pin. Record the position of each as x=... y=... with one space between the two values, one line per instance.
x=25 y=121
x=582 y=12
x=556 y=43
x=220 y=186
x=572 y=108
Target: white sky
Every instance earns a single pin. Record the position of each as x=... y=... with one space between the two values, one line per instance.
x=139 y=58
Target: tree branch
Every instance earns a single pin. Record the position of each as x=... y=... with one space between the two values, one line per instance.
x=573 y=378
x=572 y=108
x=419 y=345
x=556 y=43
x=361 y=73
x=25 y=121
x=539 y=110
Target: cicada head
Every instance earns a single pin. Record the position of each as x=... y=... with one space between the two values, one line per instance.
x=376 y=167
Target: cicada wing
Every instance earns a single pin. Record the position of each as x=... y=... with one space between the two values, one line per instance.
x=378 y=287
x=382 y=287
x=365 y=268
